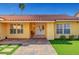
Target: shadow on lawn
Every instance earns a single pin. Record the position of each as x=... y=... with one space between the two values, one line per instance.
x=60 y=42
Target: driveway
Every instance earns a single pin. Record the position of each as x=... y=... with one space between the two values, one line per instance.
x=36 y=47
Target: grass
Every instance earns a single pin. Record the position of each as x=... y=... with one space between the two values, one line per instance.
x=8 y=49
x=66 y=47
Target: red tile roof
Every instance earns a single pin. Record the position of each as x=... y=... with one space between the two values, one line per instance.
x=37 y=17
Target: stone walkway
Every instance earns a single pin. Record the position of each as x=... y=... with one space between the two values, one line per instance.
x=36 y=47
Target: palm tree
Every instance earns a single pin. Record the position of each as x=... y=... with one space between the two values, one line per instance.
x=21 y=6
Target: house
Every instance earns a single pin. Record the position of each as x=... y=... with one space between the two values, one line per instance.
x=38 y=26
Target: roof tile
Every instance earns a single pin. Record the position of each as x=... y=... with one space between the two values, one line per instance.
x=37 y=17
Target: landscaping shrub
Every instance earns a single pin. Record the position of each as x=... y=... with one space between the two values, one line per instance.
x=62 y=37
x=71 y=37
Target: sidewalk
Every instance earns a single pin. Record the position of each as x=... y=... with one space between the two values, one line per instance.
x=36 y=47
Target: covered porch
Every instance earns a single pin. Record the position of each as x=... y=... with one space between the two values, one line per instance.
x=29 y=30
x=38 y=30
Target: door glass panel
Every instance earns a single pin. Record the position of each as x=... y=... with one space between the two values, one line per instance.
x=40 y=29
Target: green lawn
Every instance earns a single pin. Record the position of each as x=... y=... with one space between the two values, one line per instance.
x=66 y=47
x=8 y=49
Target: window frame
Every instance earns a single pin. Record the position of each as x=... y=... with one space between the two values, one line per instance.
x=59 y=29
x=62 y=28
x=66 y=27
x=15 y=30
x=20 y=30
x=12 y=29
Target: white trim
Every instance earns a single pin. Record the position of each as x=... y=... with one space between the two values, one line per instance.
x=40 y=21
x=67 y=20
x=27 y=21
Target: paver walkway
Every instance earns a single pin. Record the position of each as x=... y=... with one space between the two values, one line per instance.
x=36 y=47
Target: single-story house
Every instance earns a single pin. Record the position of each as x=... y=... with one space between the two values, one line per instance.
x=38 y=26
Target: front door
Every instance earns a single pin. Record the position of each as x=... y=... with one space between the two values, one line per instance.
x=40 y=29
x=37 y=30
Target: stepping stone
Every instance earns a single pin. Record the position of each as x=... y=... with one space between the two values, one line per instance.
x=7 y=50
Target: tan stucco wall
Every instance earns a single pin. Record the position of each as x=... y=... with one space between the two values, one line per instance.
x=74 y=28
x=6 y=31
x=50 y=31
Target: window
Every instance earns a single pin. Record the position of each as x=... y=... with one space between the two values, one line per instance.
x=16 y=28
x=19 y=28
x=66 y=29
x=59 y=29
x=13 y=29
x=63 y=29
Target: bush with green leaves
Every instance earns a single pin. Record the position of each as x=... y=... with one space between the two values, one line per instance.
x=71 y=37
x=62 y=37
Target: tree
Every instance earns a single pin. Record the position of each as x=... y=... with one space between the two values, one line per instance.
x=21 y=6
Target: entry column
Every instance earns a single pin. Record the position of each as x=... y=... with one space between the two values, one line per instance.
x=50 y=31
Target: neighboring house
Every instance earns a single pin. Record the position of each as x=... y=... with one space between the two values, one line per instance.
x=38 y=26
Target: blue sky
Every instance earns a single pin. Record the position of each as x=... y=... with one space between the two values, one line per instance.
x=40 y=8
